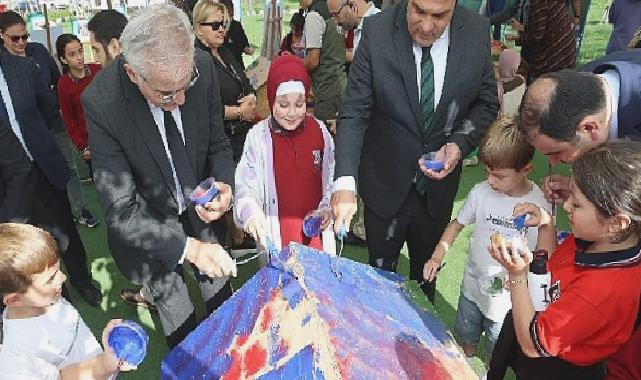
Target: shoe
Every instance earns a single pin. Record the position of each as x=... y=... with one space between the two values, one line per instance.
x=86 y=218
x=86 y=181
x=133 y=297
x=352 y=239
x=473 y=161
x=90 y=293
x=246 y=247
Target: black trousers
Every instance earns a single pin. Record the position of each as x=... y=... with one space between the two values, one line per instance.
x=507 y=353
x=52 y=212
x=411 y=224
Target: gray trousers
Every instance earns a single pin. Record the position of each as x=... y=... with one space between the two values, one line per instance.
x=175 y=308
x=74 y=187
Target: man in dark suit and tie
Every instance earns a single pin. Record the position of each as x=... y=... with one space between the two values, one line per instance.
x=421 y=80
x=568 y=112
x=154 y=117
x=29 y=109
x=17 y=179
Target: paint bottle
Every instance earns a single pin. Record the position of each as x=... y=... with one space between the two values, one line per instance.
x=538 y=280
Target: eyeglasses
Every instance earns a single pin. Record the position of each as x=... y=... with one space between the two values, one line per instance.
x=215 y=25
x=334 y=14
x=168 y=97
x=14 y=39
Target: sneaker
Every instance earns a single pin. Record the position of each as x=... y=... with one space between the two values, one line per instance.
x=86 y=181
x=86 y=218
x=352 y=239
x=246 y=247
x=472 y=161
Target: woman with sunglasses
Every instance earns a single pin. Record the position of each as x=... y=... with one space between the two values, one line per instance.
x=211 y=23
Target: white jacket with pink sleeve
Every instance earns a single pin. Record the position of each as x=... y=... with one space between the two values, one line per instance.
x=256 y=195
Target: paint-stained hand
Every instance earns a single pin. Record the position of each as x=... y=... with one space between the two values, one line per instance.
x=450 y=154
x=218 y=206
x=343 y=206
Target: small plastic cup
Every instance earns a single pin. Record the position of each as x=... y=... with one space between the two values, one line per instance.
x=430 y=162
x=205 y=192
x=129 y=342
x=312 y=223
x=519 y=222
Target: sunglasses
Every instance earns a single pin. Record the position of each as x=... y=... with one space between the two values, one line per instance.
x=14 y=39
x=215 y=25
x=168 y=97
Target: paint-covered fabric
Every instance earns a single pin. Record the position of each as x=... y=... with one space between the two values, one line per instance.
x=296 y=320
x=256 y=194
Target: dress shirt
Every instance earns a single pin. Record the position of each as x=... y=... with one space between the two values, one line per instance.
x=15 y=126
x=371 y=10
x=614 y=85
x=159 y=118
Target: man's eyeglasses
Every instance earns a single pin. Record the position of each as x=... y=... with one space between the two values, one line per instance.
x=334 y=14
x=215 y=25
x=15 y=39
x=168 y=97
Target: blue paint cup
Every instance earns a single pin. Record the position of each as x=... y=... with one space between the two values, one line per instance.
x=129 y=342
x=431 y=163
x=312 y=223
x=519 y=222
x=205 y=192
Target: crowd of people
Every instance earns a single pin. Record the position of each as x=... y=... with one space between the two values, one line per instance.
x=350 y=119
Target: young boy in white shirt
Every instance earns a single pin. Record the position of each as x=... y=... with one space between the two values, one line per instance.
x=37 y=320
x=483 y=303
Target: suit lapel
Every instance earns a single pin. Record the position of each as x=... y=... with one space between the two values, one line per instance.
x=405 y=56
x=15 y=87
x=455 y=55
x=144 y=123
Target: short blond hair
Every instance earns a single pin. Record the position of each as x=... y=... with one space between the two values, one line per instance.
x=204 y=8
x=504 y=146
x=25 y=251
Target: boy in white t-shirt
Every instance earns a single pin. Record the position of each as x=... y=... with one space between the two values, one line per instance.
x=37 y=320
x=483 y=303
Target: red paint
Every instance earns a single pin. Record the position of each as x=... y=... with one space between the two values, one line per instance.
x=255 y=359
x=235 y=369
x=241 y=340
x=267 y=318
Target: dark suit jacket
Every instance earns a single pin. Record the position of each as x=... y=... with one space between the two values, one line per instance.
x=628 y=65
x=17 y=179
x=378 y=126
x=36 y=110
x=132 y=173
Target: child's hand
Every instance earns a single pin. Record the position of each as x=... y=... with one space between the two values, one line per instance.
x=431 y=268
x=538 y=216
x=515 y=261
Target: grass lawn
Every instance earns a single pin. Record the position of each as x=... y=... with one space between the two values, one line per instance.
x=111 y=281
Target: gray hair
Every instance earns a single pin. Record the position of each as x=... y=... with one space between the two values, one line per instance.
x=159 y=36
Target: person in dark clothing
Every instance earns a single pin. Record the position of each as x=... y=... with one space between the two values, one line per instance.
x=236 y=38
x=211 y=21
x=54 y=210
x=625 y=16
x=293 y=41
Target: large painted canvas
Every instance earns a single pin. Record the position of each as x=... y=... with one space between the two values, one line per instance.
x=309 y=315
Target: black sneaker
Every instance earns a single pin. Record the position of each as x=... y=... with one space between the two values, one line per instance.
x=246 y=247
x=86 y=218
x=352 y=239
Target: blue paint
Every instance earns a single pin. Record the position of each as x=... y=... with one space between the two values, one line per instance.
x=300 y=366
x=430 y=162
x=205 y=192
x=312 y=224
x=365 y=313
x=519 y=222
x=129 y=342
x=293 y=293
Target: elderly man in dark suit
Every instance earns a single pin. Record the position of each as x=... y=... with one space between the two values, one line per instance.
x=568 y=112
x=29 y=109
x=155 y=126
x=421 y=81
